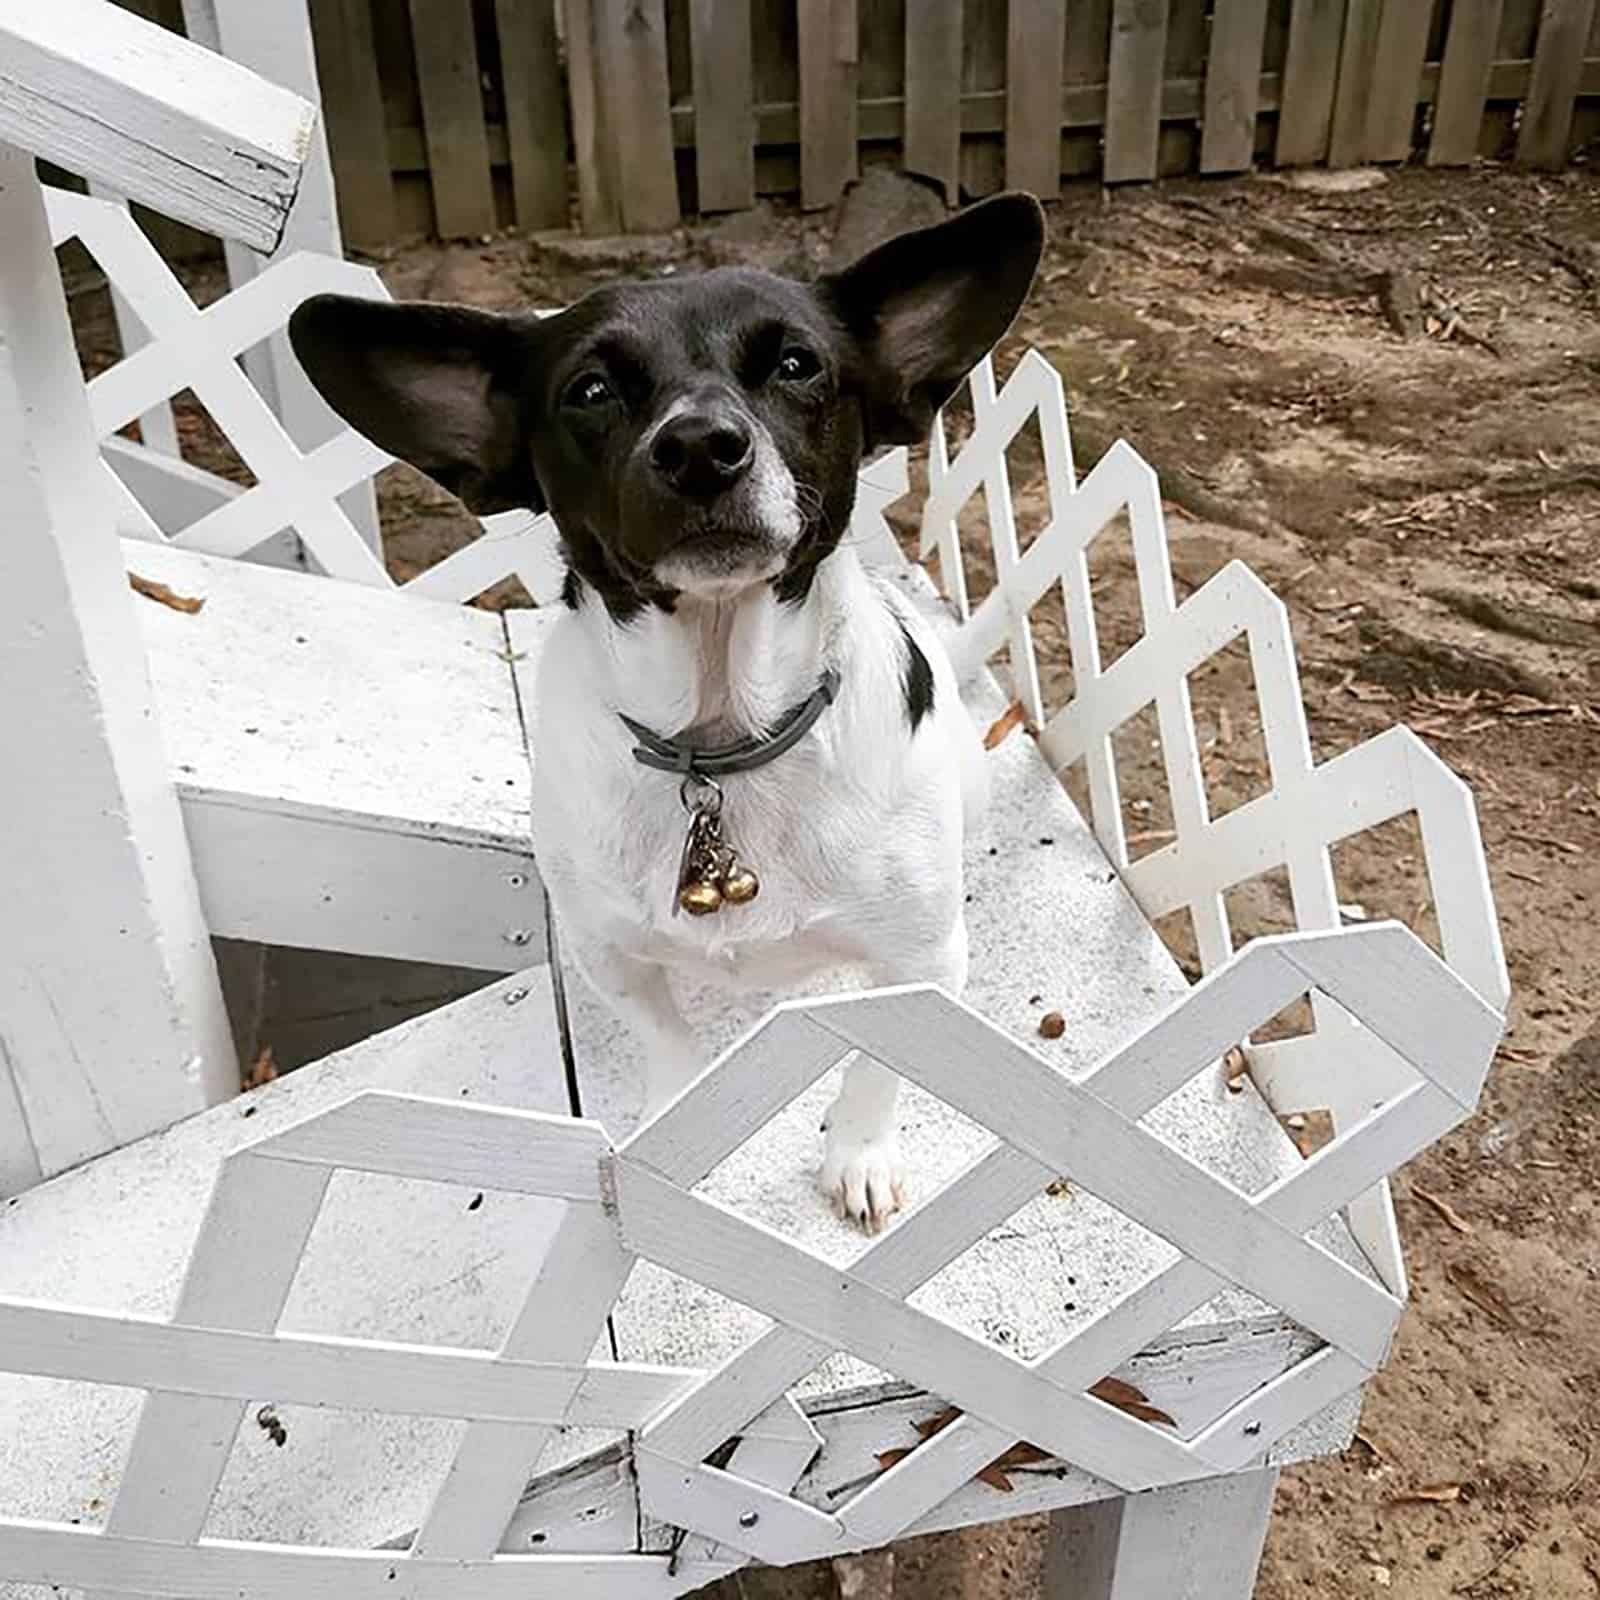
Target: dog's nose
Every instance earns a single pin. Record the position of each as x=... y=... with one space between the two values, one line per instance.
x=701 y=453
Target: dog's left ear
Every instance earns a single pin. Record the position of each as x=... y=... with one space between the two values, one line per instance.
x=439 y=386
x=925 y=308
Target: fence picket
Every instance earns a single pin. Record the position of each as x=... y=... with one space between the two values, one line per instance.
x=1133 y=89
x=933 y=94
x=352 y=109
x=1034 y=41
x=1233 y=85
x=1310 y=73
x=1464 y=82
x=724 y=104
x=1402 y=47
x=452 y=117
x=1552 y=96
x=536 y=130
x=1352 y=103
x=829 y=63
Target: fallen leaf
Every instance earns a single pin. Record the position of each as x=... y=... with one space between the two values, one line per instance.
x=1430 y=1494
x=152 y=590
x=1004 y=724
x=1443 y=1207
x=890 y=1458
x=936 y=1424
x=1235 y=1069
x=1127 y=1398
x=1052 y=1025
x=1483 y=1294
x=262 y=1070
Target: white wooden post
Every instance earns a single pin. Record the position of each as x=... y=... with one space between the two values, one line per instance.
x=1195 y=1541
x=111 y=1019
x=276 y=41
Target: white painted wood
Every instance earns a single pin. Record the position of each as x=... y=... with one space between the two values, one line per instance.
x=170 y=491
x=64 y=1556
x=584 y=1270
x=123 y=102
x=1190 y=1218
x=702 y=1241
x=1198 y=1541
x=54 y=1342
x=158 y=428
x=326 y=810
x=109 y=1005
x=277 y=874
x=276 y=42
x=487 y=1147
x=397 y=1261
x=336 y=700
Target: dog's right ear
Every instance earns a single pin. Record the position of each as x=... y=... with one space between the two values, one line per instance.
x=439 y=386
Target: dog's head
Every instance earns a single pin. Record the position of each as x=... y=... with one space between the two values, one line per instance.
x=689 y=434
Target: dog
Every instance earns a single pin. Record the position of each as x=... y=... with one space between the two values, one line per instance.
x=752 y=760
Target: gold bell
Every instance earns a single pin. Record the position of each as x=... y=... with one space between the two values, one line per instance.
x=700 y=899
x=740 y=886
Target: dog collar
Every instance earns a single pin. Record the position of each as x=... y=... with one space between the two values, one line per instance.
x=742 y=755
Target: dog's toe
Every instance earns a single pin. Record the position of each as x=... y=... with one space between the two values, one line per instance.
x=865 y=1180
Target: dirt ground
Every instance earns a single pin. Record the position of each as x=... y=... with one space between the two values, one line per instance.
x=1385 y=400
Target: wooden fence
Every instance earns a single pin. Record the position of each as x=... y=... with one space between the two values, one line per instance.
x=462 y=116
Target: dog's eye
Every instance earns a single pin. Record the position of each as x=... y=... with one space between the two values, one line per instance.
x=796 y=364
x=587 y=390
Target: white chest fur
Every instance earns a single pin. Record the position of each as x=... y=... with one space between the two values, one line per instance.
x=855 y=832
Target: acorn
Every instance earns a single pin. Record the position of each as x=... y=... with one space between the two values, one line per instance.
x=700 y=899
x=740 y=886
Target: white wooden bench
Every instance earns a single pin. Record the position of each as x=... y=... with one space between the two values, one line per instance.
x=753 y=1331
x=403 y=1324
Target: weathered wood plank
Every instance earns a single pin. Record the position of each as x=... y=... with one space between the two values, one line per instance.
x=1233 y=82
x=1464 y=82
x=983 y=69
x=153 y=116
x=630 y=43
x=1197 y=1541
x=829 y=63
x=1352 y=104
x=352 y=110
x=67 y=1556
x=1133 y=94
x=593 y=141
x=1083 y=70
x=1402 y=49
x=1557 y=66
x=933 y=94
x=361 y=1375
x=724 y=104
x=1035 y=38
x=114 y=1021
x=452 y=117
x=1310 y=74
x=536 y=132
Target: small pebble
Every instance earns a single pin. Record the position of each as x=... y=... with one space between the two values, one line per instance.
x=1052 y=1025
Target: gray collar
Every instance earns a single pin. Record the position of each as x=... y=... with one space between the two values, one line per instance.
x=742 y=755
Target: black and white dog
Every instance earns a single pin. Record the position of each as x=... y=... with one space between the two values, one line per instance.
x=752 y=760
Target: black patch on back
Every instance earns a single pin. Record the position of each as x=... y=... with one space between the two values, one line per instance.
x=917 y=683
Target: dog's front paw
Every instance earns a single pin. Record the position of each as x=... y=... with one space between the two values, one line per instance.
x=864 y=1177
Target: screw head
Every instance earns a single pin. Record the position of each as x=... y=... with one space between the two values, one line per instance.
x=748 y=1519
x=517 y=880
x=514 y=995
x=518 y=936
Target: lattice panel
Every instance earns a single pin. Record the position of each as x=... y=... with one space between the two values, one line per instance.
x=1293 y=826
x=637 y=1201
x=159 y=496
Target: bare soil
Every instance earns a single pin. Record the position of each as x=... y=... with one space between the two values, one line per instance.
x=1385 y=401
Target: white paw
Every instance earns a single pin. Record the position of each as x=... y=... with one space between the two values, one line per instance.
x=864 y=1177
